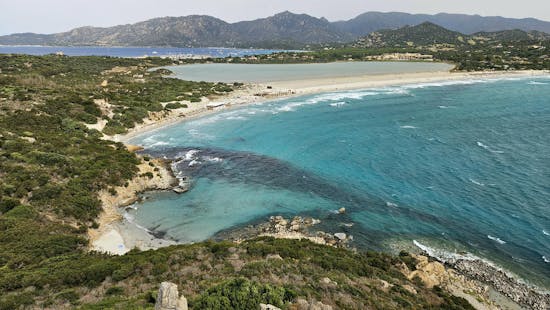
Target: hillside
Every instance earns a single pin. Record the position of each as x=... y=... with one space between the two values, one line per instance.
x=54 y=167
x=431 y=35
x=283 y=30
x=420 y=35
x=468 y=24
x=289 y=28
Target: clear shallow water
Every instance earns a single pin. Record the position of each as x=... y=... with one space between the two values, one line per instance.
x=261 y=73
x=456 y=165
x=129 y=51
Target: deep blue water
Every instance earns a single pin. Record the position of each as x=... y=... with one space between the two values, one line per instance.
x=457 y=166
x=129 y=51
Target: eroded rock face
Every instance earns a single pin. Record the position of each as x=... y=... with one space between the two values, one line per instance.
x=431 y=273
x=168 y=298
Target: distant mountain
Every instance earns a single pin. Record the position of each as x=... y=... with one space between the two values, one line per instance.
x=467 y=24
x=514 y=35
x=291 y=28
x=283 y=30
x=420 y=35
x=429 y=34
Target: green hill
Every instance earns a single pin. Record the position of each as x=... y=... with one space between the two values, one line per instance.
x=413 y=36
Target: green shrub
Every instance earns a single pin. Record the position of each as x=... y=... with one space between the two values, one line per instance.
x=69 y=295
x=8 y=203
x=242 y=294
x=114 y=290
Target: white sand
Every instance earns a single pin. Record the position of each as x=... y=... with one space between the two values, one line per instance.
x=111 y=242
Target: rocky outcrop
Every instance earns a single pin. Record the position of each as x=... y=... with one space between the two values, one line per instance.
x=434 y=273
x=168 y=298
x=431 y=273
x=302 y=304
x=468 y=274
x=154 y=174
x=296 y=228
x=516 y=290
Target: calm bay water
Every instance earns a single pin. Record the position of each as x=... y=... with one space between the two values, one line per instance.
x=129 y=51
x=456 y=165
x=260 y=73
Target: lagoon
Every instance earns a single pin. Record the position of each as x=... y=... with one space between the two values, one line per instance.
x=263 y=73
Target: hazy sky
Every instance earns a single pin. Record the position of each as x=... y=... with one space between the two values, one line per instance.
x=48 y=16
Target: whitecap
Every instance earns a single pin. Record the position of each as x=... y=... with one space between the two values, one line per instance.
x=482 y=145
x=193 y=163
x=159 y=143
x=447 y=83
x=488 y=148
x=537 y=83
x=391 y=204
x=212 y=159
x=496 y=239
x=546 y=260
x=190 y=155
x=339 y=96
x=443 y=255
x=545 y=232
x=337 y=104
x=239 y=118
x=407 y=127
x=477 y=182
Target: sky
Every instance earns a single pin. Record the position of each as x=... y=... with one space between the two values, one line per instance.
x=50 y=16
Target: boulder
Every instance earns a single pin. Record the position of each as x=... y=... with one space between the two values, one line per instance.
x=340 y=236
x=168 y=298
x=273 y=256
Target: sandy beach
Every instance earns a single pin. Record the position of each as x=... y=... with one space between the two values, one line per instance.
x=117 y=235
x=257 y=93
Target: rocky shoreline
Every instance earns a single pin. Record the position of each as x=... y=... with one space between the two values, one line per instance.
x=465 y=277
x=462 y=275
x=516 y=290
x=296 y=228
x=113 y=232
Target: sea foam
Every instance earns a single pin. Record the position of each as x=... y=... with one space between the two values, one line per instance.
x=500 y=241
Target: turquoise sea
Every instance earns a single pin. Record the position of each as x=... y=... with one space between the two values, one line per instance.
x=459 y=166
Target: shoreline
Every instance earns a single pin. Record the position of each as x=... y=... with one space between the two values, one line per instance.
x=280 y=90
x=118 y=231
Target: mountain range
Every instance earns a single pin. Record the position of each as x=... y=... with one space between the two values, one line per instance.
x=429 y=34
x=283 y=30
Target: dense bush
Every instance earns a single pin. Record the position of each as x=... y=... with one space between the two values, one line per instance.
x=242 y=294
